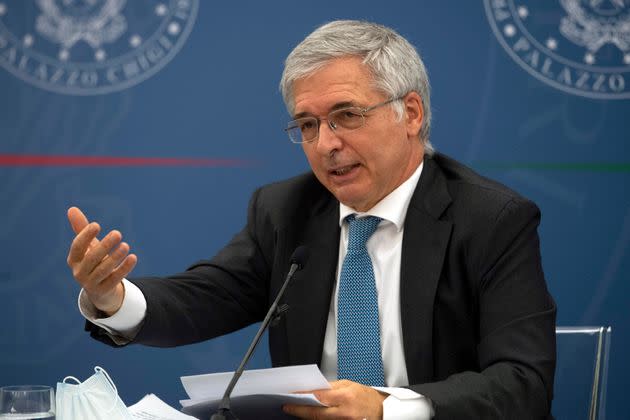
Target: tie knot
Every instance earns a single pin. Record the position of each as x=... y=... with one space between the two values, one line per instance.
x=360 y=230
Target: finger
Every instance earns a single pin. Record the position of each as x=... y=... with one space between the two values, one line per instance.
x=344 y=393
x=316 y=413
x=336 y=394
x=306 y=412
x=108 y=264
x=330 y=397
x=77 y=219
x=81 y=243
x=95 y=255
x=311 y=391
x=118 y=274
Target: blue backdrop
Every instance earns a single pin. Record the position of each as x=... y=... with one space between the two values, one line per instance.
x=80 y=131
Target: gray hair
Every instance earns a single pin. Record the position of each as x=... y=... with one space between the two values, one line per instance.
x=394 y=63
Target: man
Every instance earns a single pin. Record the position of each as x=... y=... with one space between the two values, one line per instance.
x=422 y=274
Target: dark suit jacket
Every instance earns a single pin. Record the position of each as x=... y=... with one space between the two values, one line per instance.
x=478 y=322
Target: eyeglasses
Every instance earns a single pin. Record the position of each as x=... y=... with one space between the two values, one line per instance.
x=306 y=129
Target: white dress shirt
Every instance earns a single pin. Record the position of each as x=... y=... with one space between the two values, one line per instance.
x=385 y=250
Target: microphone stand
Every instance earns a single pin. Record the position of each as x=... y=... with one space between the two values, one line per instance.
x=224 y=412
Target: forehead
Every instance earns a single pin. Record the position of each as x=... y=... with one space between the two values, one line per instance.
x=342 y=80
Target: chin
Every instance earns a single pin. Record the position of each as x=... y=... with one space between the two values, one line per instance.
x=352 y=202
x=351 y=195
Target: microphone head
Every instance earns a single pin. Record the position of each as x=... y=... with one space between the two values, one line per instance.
x=300 y=256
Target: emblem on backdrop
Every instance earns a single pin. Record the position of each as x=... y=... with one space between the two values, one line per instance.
x=91 y=47
x=578 y=46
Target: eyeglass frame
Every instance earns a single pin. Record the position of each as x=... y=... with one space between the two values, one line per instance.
x=333 y=127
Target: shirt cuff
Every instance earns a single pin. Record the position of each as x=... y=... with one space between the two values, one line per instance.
x=126 y=322
x=405 y=404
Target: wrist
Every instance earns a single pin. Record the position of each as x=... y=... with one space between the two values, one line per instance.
x=109 y=304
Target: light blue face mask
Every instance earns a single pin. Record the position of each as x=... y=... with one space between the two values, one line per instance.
x=96 y=398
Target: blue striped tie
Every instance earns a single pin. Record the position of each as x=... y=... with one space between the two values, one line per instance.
x=358 y=331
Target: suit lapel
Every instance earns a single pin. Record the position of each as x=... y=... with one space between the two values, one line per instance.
x=310 y=300
x=425 y=241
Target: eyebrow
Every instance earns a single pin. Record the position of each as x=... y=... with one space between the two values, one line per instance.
x=338 y=105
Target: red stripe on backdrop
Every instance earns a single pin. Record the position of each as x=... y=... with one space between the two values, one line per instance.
x=69 y=160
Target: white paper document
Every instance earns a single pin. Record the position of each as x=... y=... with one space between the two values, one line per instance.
x=258 y=394
x=152 y=408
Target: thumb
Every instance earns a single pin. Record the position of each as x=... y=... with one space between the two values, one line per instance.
x=77 y=219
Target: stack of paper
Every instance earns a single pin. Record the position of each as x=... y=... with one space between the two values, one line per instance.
x=259 y=394
x=152 y=408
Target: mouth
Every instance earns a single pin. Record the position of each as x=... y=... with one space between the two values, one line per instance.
x=343 y=170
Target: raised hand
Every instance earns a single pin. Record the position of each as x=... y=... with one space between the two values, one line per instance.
x=99 y=266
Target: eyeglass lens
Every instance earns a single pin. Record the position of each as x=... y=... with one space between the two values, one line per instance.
x=307 y=129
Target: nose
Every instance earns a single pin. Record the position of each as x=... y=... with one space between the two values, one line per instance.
x=328 y=140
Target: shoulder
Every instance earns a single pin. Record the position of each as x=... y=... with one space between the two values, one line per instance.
x=464 y=183
x=297 y=197
x=473 y=195
x=474 y=205
x=298 y=190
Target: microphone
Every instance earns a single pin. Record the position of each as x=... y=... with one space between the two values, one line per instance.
x=298 y=260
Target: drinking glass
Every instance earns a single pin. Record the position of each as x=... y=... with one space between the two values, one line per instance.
x=27 y=402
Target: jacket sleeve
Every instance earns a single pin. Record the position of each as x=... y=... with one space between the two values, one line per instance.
x=212 y=298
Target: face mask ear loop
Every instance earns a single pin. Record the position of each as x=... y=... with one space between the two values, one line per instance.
x=73 y=378
x=101 y=370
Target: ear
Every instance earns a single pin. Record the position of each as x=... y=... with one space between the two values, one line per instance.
x=414 y=114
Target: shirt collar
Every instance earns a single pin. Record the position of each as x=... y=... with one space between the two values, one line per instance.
x=393 y=207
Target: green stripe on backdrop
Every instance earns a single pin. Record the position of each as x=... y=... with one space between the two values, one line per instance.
x=556 y=166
